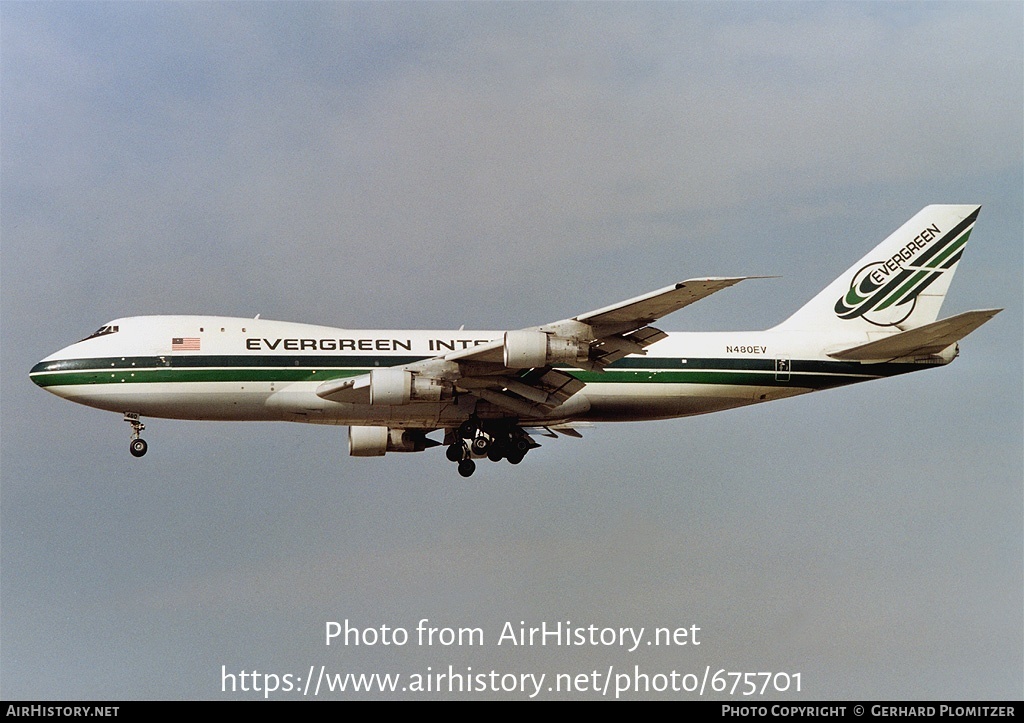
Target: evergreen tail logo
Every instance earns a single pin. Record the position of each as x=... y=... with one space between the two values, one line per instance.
x=884 y=293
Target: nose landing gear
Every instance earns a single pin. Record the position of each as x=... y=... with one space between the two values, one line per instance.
x=137 y=446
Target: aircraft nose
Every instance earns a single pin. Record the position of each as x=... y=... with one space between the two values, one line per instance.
x=35 y=373
x=44 y=373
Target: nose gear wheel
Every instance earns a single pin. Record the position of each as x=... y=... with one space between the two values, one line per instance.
x=137 y=446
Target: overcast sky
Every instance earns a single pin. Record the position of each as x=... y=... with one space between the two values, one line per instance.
x=501 y=165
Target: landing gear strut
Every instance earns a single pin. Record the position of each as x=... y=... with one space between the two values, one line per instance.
x=137 y=446
x=475 y=439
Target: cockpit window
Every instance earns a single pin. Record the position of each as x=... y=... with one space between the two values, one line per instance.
x=102 y=331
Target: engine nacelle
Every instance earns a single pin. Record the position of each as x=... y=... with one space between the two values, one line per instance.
x=528 y=349
x=376 y=441
x=398 y=386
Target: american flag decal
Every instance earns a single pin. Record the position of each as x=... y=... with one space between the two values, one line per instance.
x=187 y=343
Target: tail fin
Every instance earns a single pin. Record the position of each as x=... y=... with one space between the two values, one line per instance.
x=900 y=284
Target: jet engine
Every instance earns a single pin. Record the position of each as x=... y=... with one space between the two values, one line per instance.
x=376 y=441
x=528 y=349
x=398 y=386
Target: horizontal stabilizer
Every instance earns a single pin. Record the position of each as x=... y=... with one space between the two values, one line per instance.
x=928 y=339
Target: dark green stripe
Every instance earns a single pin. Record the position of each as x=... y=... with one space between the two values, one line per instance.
x=930 y=257
x=180 y=361
x=762 y=379
x=811 y=374
x=148 y=376
x=303 y=365
x=919 y=278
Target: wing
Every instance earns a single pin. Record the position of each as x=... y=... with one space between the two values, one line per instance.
x=519 y=373
x=651 y=307
x=621 y=329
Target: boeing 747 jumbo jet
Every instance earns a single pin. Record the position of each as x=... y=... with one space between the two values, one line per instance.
x=488 y=390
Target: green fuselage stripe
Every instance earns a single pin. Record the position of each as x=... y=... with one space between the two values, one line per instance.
x=812 y=374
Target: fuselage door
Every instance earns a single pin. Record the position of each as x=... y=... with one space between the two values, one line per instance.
x=782 y=370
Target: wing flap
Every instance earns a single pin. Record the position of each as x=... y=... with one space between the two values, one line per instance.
x=568 y=429
x=612 y=348
x=922 y=341
x=558 y=385
x=541 y=389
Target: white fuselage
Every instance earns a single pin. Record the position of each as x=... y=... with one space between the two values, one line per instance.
x=221 y=368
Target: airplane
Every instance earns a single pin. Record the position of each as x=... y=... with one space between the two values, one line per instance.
x=489 y=390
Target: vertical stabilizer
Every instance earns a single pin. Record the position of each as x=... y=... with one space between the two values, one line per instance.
x=900 y=284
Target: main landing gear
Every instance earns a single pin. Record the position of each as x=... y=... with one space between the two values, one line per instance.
x=473 y=440
x=137 y=446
